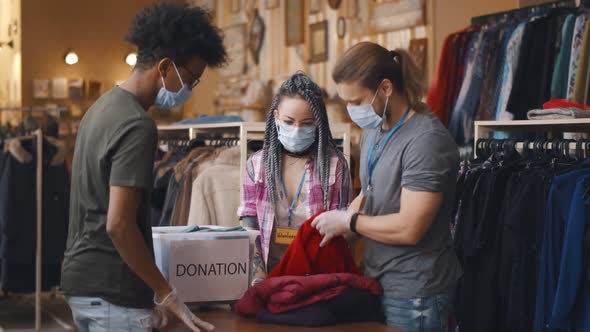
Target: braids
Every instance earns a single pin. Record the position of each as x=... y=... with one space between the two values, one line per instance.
x=298 y=86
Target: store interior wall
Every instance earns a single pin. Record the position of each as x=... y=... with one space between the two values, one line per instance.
x=453 y=15
x=10 y=58
x=95 y=30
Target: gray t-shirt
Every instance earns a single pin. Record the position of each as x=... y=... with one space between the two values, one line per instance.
x=420 y=156
x=115 y=146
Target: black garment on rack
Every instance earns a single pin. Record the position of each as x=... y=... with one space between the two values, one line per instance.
x=536 y=61
x=525 y=92
x=18 y=216
x=161 y=182
x=477 y=242
x=522 y=218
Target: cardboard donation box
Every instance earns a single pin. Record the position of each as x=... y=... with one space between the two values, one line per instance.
x=205 y=266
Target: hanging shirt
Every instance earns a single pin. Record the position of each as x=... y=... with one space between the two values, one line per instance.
x=468 y=98
x=583 y=66
x=559 y=81
x=575 y=54
x=509 y=69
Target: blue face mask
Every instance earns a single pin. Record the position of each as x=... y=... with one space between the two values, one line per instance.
x=365 y=116
x=296 y=139
x=167 y=99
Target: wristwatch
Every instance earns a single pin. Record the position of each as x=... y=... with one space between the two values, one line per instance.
x=353 y=220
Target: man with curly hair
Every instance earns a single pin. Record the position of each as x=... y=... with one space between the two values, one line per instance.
x=109 y=276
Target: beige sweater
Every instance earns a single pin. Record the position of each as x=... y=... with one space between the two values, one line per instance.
x=216 y=192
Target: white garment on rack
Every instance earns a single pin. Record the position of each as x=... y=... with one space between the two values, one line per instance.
x=215 y=196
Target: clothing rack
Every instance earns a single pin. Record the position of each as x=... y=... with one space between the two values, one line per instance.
x=38 y=134
x=522 y=12
x=483 y=129
x=246 y=131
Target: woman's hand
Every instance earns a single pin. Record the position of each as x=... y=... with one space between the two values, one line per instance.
x=332 y=224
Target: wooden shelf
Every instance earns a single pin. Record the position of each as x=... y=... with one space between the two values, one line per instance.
x=568 y=125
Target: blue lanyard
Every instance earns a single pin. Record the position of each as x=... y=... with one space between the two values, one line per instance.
x=372 y=162
x=291 y=208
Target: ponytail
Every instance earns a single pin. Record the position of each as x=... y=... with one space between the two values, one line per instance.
x=413 y=86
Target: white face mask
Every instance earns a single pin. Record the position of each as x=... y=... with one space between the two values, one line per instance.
x=295 y=139
x=365 y=116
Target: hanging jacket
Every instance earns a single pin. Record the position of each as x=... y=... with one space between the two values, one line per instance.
x=216 y=192
x=18 y=213
x=305 y=257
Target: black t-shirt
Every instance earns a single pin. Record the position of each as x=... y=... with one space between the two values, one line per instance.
x=115 y=146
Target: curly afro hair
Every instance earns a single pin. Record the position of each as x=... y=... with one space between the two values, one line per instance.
x=178 y=32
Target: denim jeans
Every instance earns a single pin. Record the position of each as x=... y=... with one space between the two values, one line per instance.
x=93 y=314
x=420 y=314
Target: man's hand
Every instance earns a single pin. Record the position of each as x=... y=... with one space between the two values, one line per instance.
x=332 y=224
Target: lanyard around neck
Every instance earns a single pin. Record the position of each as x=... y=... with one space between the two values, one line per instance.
x=372 y=162
x=296 y=197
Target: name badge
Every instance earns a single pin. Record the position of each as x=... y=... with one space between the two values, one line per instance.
x=285 y=236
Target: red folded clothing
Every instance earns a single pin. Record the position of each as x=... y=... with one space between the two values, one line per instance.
x=288 y=293
x=564 y=103
x=305 y=257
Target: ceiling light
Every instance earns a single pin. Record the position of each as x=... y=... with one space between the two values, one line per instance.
x=71 y=58
x=131 y=59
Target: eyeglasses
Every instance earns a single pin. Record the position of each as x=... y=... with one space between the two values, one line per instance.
x=196 y=79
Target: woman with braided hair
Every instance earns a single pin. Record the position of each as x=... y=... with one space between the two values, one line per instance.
x=297 y=174
x=409 y=164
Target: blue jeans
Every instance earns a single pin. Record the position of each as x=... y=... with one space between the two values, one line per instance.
x=93 y=314
x=420 y=314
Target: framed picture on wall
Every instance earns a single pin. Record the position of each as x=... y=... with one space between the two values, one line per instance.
x=418 y=50
x=398 y=15
x=40 y=89
x=59 y=88
x=271 y=4
x=318 y=45
x=77 y=89
x=294 y=21
x=94 y=89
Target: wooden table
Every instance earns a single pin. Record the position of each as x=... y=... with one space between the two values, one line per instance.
x=226 y=321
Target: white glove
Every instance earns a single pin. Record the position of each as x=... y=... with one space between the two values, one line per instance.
x=172 y=304
x=332 y=224
x=159 y=318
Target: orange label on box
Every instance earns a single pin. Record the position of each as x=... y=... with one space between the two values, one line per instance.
x=285 y=236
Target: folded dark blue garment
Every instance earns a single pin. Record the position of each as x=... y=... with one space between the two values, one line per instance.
x=352 y=306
